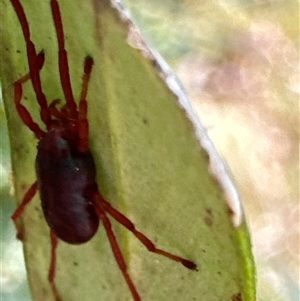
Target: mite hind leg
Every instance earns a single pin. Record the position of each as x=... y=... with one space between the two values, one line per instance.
x=122 y=219
x=52 y=268
x=27 y=198
x=117 y=252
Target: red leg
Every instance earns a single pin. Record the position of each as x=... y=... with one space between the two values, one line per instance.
x=83 y=129
x=52 y=268
x=34 y=62
x=54 y=111
x=27 y=198
x=88 y=65
x=117 y=252
x=63 y=60
x=23 y=112
x=122 y=219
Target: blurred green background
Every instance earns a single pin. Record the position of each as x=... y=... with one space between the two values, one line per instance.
x=239 y=62
x=13 y=284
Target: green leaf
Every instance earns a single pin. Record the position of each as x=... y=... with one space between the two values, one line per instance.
x=154 y=163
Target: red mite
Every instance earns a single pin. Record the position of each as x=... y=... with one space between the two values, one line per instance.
x=65 y=169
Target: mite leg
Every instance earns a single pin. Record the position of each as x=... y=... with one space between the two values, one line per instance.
x=27 y=198
x=83 y=129
x=117 y=252
x=23 y=112
x=34 y=63
x=63 y=60
x=122 y=219
x=52 y=268
x=55 y=111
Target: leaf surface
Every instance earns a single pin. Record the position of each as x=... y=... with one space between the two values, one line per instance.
x=154 y=163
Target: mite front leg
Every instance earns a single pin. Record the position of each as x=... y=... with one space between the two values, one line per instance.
x=18 y=94
x=35 y=62
x=63 y=60
x=83 y=126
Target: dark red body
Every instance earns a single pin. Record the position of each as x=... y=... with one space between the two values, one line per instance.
x=66 y=181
